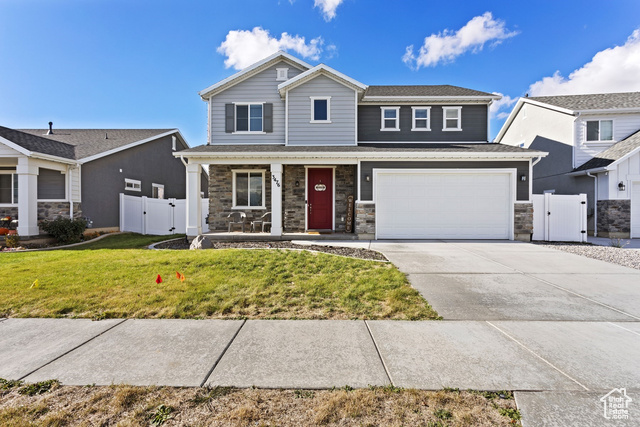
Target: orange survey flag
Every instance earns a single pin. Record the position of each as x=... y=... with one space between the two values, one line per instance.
x=180 y=276
x=158 y=279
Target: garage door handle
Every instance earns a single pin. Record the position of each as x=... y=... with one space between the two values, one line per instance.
x=548 y=213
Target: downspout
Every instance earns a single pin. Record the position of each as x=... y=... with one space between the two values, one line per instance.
x=183 y=162
x=595 y=203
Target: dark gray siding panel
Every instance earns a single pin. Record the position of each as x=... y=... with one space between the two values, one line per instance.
x=51 y=185
x=366 y=190
x=474 y=125
x=153 y=162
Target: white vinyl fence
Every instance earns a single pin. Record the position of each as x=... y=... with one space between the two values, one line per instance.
x=560 y=218
x=146 y=215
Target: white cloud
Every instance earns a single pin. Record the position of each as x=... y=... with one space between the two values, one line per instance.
x=505 y=102
x=448 y=45
x=615 y=69
x=243 y=47
x=328 y=8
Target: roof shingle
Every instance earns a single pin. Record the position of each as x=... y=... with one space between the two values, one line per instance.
x=598 y=101
x=613 y=153
x=422 y=90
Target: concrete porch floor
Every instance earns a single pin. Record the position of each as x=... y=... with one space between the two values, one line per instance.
x=248 y=236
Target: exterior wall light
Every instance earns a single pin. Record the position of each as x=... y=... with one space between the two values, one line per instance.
x=367 y=178
x=523 y=177
x=297 y=183
x=621 y=186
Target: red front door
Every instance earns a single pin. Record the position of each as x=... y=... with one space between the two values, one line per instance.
x=320 y=199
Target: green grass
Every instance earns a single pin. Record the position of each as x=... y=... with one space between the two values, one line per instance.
x=125 y=241
x=230 y=283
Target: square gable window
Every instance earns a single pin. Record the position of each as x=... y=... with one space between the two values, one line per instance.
x=320 y=109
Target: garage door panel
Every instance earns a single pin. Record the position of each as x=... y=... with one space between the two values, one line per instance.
x=430 y=204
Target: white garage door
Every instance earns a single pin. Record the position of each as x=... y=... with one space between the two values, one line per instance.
x=635 y=209
x=439 y=204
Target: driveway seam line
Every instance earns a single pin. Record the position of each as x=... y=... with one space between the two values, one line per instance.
x=215 y=364
x=73 y=349
x=552 y=284
x=375 y=345
x=539 y=357
x=622 y=327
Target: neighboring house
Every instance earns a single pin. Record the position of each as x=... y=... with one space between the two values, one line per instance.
x=46 y=173
x=594 y=148
x=324 y=152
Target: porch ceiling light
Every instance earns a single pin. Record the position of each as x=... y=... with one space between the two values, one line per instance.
x=621 y=186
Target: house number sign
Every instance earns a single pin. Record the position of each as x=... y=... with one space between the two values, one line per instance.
x=320 y=187
x=275 y=180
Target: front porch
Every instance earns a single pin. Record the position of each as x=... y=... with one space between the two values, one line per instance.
x=246 y=237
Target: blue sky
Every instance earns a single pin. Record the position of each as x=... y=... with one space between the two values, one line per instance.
x=140 y=63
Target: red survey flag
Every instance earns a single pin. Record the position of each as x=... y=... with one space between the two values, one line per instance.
x=158 y=279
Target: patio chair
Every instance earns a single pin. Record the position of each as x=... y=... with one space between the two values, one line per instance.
x=237 y=218
x=263 y=222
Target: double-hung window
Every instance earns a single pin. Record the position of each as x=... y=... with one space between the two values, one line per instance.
x=249 y=118
x=451 y=118
x=248 y=189
x=421 y=118
x=320 y=109
x=390 y=118
x=599 y=130
x=8 y=188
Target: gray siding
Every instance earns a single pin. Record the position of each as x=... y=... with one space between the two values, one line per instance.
x=341 y=130
x=474 y=125
x=263 y=87
x=153 y=162
x=366 y=189
x=51 y=185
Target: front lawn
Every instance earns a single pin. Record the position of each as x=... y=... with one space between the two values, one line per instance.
x=230 y=283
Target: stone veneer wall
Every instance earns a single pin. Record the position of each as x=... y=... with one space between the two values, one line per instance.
x=523 y=221
x=365 y=220
x=293 y=206
x=345 y=187
x=11 y=211
x=51 y=210
x=614 y=218
x=221 y=196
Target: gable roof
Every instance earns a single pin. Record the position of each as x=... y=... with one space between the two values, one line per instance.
x=612 y=154
x=426 y=91
x=252 y=70
x=597 y=101
x=321 y=69
x=82 y=145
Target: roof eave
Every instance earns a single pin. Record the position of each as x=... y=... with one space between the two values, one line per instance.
x=362 y=155
x=131 y=145
x=320 y=69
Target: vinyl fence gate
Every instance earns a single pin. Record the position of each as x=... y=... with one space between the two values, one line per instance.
x=560 y=218
x=146 y=215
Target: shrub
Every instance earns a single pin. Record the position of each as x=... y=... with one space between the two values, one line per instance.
x=12 y=239
x=65 y=230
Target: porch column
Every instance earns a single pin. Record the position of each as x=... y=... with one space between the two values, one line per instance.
x=276 y=199
x=194 y=203
x=27 y=197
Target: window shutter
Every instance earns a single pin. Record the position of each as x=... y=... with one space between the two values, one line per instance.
x=229 y=118
x=268 y=117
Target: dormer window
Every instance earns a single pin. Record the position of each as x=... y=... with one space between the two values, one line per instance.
x=599 y=130
x=320 y=109
x=451 y=118
x=390 y=119
x=282 y=74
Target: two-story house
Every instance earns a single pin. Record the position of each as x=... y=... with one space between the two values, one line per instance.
x=594 y=146
x=324 y=152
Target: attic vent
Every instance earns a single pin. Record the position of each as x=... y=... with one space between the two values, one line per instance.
x=282 y=74
x=50 y=132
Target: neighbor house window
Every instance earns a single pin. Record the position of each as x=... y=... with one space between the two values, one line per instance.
x=451 y=118
x=248 y=117
x=321 y=109
x=248 y=189
x=421 y=118
x=132 y=185
x=600 y=130
x=8 y=188
x=51 y=185
x=390 y=118
x=157 y=191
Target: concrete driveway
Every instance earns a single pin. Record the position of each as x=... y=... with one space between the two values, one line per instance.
x=471 y=280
